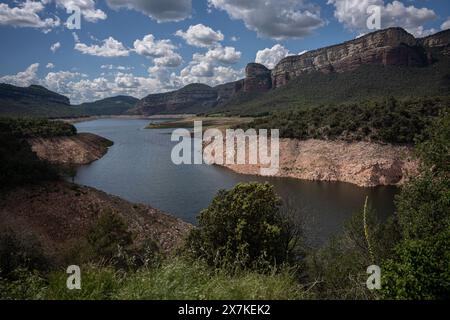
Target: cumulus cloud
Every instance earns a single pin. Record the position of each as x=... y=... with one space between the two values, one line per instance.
x=24 y=78
x=110 y=48
x=278 y=19
x=212 y=67
x=200 y=36
x=26 y=14
x=446 y=24
x=54 y=47
x=160 y=10
x=271 y=56
x=87 y=8
x=161 y=51
x=353 y=14
x=50 y=65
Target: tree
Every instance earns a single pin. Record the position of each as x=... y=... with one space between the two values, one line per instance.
x=244 y=228
x=421 y=266
x=108 y=235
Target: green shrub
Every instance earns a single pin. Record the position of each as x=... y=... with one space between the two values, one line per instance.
x=243 y=228
x=420 y=270
x=20 y=251
x=421 y=267
x=109 y=235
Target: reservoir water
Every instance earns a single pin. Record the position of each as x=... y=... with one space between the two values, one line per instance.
x=138 y=168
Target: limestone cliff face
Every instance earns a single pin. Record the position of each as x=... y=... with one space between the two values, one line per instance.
x=392 y=46
x=80 y=149
x=364 y=164
x=257 y=78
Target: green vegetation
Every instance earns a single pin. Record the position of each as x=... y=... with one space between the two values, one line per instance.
x=37 y=101
x=244 y=228
x=36 y=128
x=391 y=121
x=368 y=82
x=247 y=247
x=420 y=268
x=212 y=121
x=110 y=106
x=19 y=165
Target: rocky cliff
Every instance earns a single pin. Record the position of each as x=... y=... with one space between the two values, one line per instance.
x=196 y=98
x=393 y=46
x=364 y=164
x=79 y=149
x=389 y=47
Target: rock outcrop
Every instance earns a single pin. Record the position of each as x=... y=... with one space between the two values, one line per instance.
x=389 y=47
x=79 y=149
x=364 y=164
x=257 y=78
x=393 y=46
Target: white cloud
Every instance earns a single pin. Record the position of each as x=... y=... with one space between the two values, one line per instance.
x=278 y=19
x=110 y=48
x=225 y=55
x=200 y=35
x=353 y=14
x=160 y=10
x=151 y=47
x=271 y=56
x=26 y=14
x=234 y=38
x=446 y=24
x=50 y=65
x=113 y=67
x=87 y=8
x=24 y=78
x=54 y=47
x=212 y=67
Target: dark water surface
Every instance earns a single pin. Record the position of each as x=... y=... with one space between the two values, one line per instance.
x=138 y=168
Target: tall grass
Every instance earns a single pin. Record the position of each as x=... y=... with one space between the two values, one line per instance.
x=179 y=279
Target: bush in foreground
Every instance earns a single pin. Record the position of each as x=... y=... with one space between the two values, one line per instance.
x=244 y=228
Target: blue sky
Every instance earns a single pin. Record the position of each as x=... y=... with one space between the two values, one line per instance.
x=138 y=47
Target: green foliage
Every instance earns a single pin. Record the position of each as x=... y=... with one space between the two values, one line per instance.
x=197 y=281
x=20 y=251
x=423 y=206
x=22 y=284
x=243 y=228
x=178 y=279
x=36 y=127
x=108 y=235
x=434 y=148
x=421 y=267
x=109 y=241
x=338 y=270
x=368 y=82
x=420 y=270
x=390 y=121
x=19 y=165
x=97 y=283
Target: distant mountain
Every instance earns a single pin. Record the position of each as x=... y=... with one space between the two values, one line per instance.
x=37 y=101
x=32 y=101
x=110 y=106
x=385 y=62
